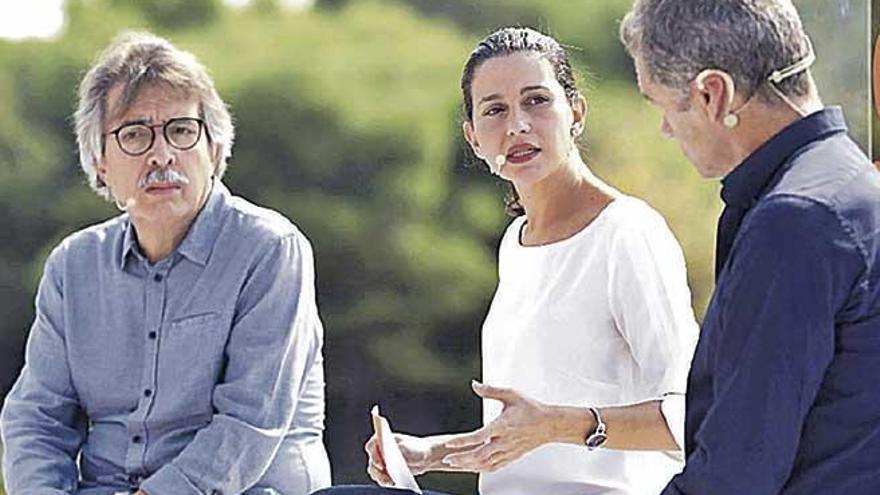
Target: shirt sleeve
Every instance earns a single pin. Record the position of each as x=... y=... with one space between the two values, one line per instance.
x=275 y=339
x=651 y=305
x=42 y=423
x=791 y=271
x=673 y=410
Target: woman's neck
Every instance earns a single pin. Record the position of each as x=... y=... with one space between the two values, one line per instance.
x=563 y=203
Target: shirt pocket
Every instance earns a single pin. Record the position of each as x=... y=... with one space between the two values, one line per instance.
x=191 y=357
x=195 y=321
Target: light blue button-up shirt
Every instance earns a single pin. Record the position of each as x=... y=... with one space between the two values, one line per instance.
x=200 y=373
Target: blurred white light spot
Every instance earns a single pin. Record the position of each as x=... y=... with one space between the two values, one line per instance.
x=30 y=18
x=20 y=19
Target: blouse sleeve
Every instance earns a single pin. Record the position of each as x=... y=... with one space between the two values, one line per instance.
x=651 y=306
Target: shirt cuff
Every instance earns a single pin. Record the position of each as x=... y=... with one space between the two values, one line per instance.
x=169 y=480
x=672 y=409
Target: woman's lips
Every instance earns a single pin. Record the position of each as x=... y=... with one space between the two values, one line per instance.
x=522 y=153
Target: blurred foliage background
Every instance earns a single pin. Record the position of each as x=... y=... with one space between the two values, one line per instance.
x=348 y=117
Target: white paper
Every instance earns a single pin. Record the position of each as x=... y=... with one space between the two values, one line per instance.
x=395 y=464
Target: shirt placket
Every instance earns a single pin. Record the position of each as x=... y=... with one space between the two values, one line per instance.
x=155 y=292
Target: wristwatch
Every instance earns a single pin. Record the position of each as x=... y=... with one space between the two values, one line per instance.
x=600 y=434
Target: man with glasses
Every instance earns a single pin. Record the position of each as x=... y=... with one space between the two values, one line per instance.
x=176 y=348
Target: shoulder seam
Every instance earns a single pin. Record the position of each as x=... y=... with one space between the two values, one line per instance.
x=845 y=226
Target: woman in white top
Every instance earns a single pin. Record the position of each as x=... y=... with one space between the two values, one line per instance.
x=592 y=308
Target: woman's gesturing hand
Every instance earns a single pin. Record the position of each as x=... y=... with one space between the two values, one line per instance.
x=523 y=425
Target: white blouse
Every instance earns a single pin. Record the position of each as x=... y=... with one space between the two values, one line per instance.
x=601 y=318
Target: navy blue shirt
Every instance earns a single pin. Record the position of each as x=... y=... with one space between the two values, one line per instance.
x=784 y=390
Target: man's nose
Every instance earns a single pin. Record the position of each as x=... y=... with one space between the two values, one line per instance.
x=161 y=155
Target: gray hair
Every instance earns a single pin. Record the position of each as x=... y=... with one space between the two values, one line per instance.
x=748 y=39
x=136 y=59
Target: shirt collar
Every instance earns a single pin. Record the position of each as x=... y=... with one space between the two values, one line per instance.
x=744 y=185
x=199 y=240
x=129 y=242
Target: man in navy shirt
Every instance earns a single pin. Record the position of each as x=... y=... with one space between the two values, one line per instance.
x=783 y=394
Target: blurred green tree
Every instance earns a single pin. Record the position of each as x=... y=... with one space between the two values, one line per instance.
x=174 y=14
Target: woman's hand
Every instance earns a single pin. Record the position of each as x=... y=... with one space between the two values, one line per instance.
x=416 y=452
x=523 y=425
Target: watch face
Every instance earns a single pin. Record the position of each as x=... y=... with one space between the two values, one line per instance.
x=596 y=440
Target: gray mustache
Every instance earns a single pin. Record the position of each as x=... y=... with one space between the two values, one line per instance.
x=162 y=176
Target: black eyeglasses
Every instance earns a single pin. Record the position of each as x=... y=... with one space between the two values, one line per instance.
x=181 y=133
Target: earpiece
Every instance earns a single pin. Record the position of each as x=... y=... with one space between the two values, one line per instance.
x=127 y=205
x=500 y=161
x=730 y=120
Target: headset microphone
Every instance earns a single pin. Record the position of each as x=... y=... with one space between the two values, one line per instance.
x=500 y=160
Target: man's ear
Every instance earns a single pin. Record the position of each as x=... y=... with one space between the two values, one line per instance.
x=716 y=91
x=216 y=157
x=101 y=171
x=467 y=128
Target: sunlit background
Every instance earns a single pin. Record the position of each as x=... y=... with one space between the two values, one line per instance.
x=348 y=120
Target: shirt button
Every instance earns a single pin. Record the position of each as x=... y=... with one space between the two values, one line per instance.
x=157 y=277
x=148 y=393
x=136 y=439
x=152 y=335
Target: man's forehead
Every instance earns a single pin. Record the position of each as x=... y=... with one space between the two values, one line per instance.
x=650 y=90
x=124 y=102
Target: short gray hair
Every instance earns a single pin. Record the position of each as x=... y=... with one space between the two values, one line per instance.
x=136 y=59
x=748 y=39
